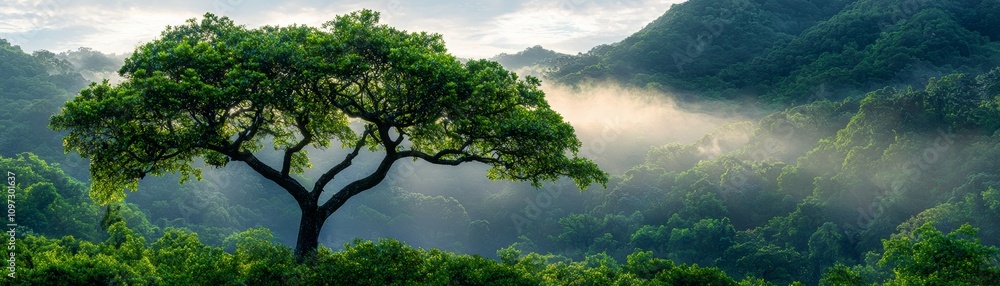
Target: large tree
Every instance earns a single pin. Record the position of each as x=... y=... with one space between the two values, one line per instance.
x=216 y=91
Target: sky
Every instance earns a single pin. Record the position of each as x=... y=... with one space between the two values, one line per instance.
x=472 y=29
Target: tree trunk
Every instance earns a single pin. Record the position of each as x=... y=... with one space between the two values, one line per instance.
x=309 y=226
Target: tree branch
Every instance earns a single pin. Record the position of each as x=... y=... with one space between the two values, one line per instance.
x=437 y=158
x=286 y=162
x=346 y=103
x=376 y=177
x=360 y=185
x=293 y=187
x=251 y=131
x=399 y=139
x=388 y=142
x=330 y=174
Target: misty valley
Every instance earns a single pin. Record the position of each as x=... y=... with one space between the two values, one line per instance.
x=727 y=142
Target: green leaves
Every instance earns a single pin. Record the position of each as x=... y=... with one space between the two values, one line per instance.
x=54 y=203
x=215 y=90
x=930 y=257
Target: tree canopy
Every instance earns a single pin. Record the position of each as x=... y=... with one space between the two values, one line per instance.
x=217 y=91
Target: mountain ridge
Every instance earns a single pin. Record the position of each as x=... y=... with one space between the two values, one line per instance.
x=792 y=51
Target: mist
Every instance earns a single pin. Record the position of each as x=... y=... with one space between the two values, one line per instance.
x=618 y=124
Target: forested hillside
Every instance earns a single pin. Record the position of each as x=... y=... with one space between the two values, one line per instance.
x=797 y=51
x=876 y=162
x=34 y=87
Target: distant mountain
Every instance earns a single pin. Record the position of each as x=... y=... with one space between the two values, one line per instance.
x=93 y=65
x=534 y=61
x=528 y=57
x=785 y=51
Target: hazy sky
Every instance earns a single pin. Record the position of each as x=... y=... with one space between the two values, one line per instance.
x=475 y=28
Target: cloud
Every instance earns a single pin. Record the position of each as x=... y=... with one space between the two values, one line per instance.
x=478 y=28
x=572 y=26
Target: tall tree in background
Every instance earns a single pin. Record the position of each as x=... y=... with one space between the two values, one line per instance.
x=217 y=91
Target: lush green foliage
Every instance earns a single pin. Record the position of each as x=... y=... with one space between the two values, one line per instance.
x=214 y=90
x=46 y=195
x=933 y=258
x=252 y=257
x=179 y=258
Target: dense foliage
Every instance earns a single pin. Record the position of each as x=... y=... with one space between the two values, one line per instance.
x=178 y=257
x=250 y=257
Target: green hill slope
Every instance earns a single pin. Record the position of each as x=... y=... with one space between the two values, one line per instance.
x=796 y=51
